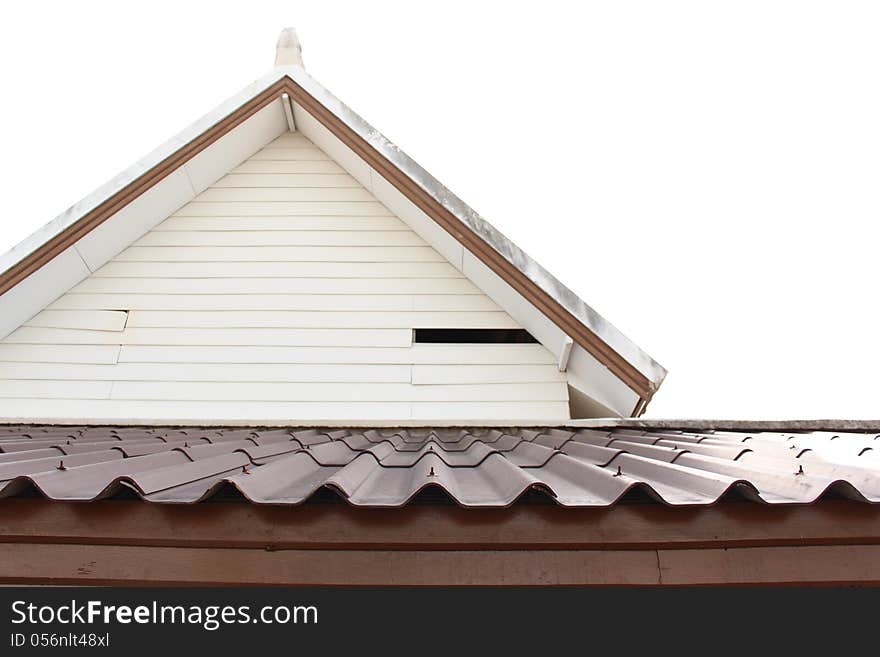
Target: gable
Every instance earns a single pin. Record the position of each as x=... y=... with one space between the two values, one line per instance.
x=606 y=373
x=285 y=290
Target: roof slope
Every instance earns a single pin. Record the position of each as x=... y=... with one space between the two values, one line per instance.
x=484 y=467
x=490 y=249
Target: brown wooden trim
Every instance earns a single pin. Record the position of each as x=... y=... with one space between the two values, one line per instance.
x=586 y=338
x=136 y=565
x=572 y=326
x=76 y=231
x=436 y=527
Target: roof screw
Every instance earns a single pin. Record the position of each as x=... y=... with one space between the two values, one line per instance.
x=800 y=470
x=61 y=466
x=431 y=473
x=618 y=472
x=792 y=446
x=244 y=470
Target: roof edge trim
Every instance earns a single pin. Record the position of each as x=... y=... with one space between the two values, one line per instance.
x=784 y=426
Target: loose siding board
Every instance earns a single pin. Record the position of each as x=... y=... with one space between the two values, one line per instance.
x=284 y=290
x=95 y=320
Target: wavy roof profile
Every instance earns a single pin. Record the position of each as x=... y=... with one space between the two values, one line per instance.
x=475 y=467
x=551 y=298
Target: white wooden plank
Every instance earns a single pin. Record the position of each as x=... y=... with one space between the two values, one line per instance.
x=422 y=353
x=278 y=238
x=280 y=269
x=276 y=286
x=287 y=180
x=295 y=223
x=318 y=319
x=288 y=166
x=189 y=412
x=197 y=336
x=290 y=140
x=210 y=372
x=485 y=411
x=135 y=219
x=322 y=208
x=478 y=354
x=454 y=303
x=56 y=389
x=94 y=320
x=284 y=153
x=241 y=302
x=237 y=145
x=322 y=392
x=40 y=288
x=55 y=353
x=469 y=374
x=279 y=253
x=285 y=194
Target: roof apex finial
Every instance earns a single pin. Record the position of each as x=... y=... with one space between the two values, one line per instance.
x=288 y=50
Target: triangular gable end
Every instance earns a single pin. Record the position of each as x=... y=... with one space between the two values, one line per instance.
x=604 y=372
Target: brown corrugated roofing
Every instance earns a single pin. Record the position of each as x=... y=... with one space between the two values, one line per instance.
x=476 y=467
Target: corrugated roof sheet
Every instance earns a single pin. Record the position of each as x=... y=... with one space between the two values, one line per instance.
x=476 y=467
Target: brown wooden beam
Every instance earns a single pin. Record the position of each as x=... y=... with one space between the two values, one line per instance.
x=435 y=527
x=137 y=565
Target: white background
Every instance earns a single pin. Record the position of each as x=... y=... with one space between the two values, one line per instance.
x=704 y=174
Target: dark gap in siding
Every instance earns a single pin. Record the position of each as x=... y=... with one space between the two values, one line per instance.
x=472 y=336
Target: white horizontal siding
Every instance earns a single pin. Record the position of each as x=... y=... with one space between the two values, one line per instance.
x=278 y=269
x=279 y=253
x=217 y=336
x=285 y=291
x=410 y=286
x=489 y=354
x=95 y=320
x=351 y=302
x=299 y=238
x=58 y=353
x=301 y=200
x=209 y=319
x=485 y=373
x=287 y=180
x=325 y=223
x=210 y=372
x=329 y=392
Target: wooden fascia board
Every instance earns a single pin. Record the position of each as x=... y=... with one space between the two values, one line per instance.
x=222 y=544
x=438 y=527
